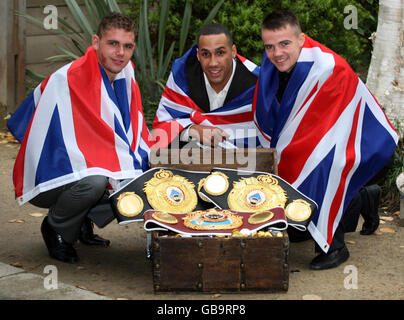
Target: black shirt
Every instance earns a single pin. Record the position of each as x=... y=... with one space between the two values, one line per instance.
x=283 y=82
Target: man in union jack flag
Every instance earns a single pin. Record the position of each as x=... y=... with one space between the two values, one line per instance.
x=82 y=130
x=331 y=135
x=208 y=96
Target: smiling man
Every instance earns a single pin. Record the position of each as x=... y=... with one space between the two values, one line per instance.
x=216 y=55
x=283 y=46
x=331 y=135
x=81 y=129
x=114 y=47
x=208 y=96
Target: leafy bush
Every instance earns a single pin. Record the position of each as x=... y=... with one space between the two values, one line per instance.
x=323 y=20
x=390 y=194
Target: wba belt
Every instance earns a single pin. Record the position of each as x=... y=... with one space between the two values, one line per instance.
x=257 y=191
x=215 y=221
x=181 y=192
x=164 y=189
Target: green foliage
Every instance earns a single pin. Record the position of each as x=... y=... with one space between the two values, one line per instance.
x=244 y=18
x=390 y=193
x=323 y=20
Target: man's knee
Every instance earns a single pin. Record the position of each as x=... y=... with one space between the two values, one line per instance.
x=94 y=185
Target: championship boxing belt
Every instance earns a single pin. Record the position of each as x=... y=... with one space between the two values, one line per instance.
x=248 y=191
x=215 y=221
x=163 y=189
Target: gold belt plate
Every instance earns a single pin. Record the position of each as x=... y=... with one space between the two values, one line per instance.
x=255 y=194
x=170 y=193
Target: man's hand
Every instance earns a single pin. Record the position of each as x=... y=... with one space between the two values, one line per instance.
x=207 y=135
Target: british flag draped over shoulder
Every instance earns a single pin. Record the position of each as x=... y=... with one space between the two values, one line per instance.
x=76 y=124
x=177 y=110
x=330 y=133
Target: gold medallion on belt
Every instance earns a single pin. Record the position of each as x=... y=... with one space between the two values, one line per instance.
x=298 y=210
x=215 y=184
x=170 y=193
x=255 y=194
x=212 y=219
x=129 y=204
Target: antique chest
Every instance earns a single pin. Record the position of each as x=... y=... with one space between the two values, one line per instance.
x=220 y=264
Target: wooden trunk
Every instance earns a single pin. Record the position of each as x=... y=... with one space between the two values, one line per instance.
x=218 y=264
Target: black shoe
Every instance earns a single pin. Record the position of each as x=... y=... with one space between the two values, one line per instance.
x=88 y=237
x=330 y=260
x=57 y=247
x=369 y=211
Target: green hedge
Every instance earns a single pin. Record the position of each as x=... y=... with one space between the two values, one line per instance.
x=323 y=20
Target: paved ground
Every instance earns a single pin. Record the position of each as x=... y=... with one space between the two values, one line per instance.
x=123 y=272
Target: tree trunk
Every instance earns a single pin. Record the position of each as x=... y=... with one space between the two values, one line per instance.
x=386 y=72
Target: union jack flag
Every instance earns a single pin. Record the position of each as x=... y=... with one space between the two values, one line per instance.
x=177 y=110
x=76 y=124
x=330 y=133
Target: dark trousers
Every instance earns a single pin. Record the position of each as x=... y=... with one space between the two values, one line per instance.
x=365 y=200
x=69 y=204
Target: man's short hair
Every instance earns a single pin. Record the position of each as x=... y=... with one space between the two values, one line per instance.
x=215 y=28
x=115 y=20
x=279 y=19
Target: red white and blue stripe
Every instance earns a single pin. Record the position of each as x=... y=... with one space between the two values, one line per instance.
x=330 y=133
x=75 y=124
x=177 y=110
